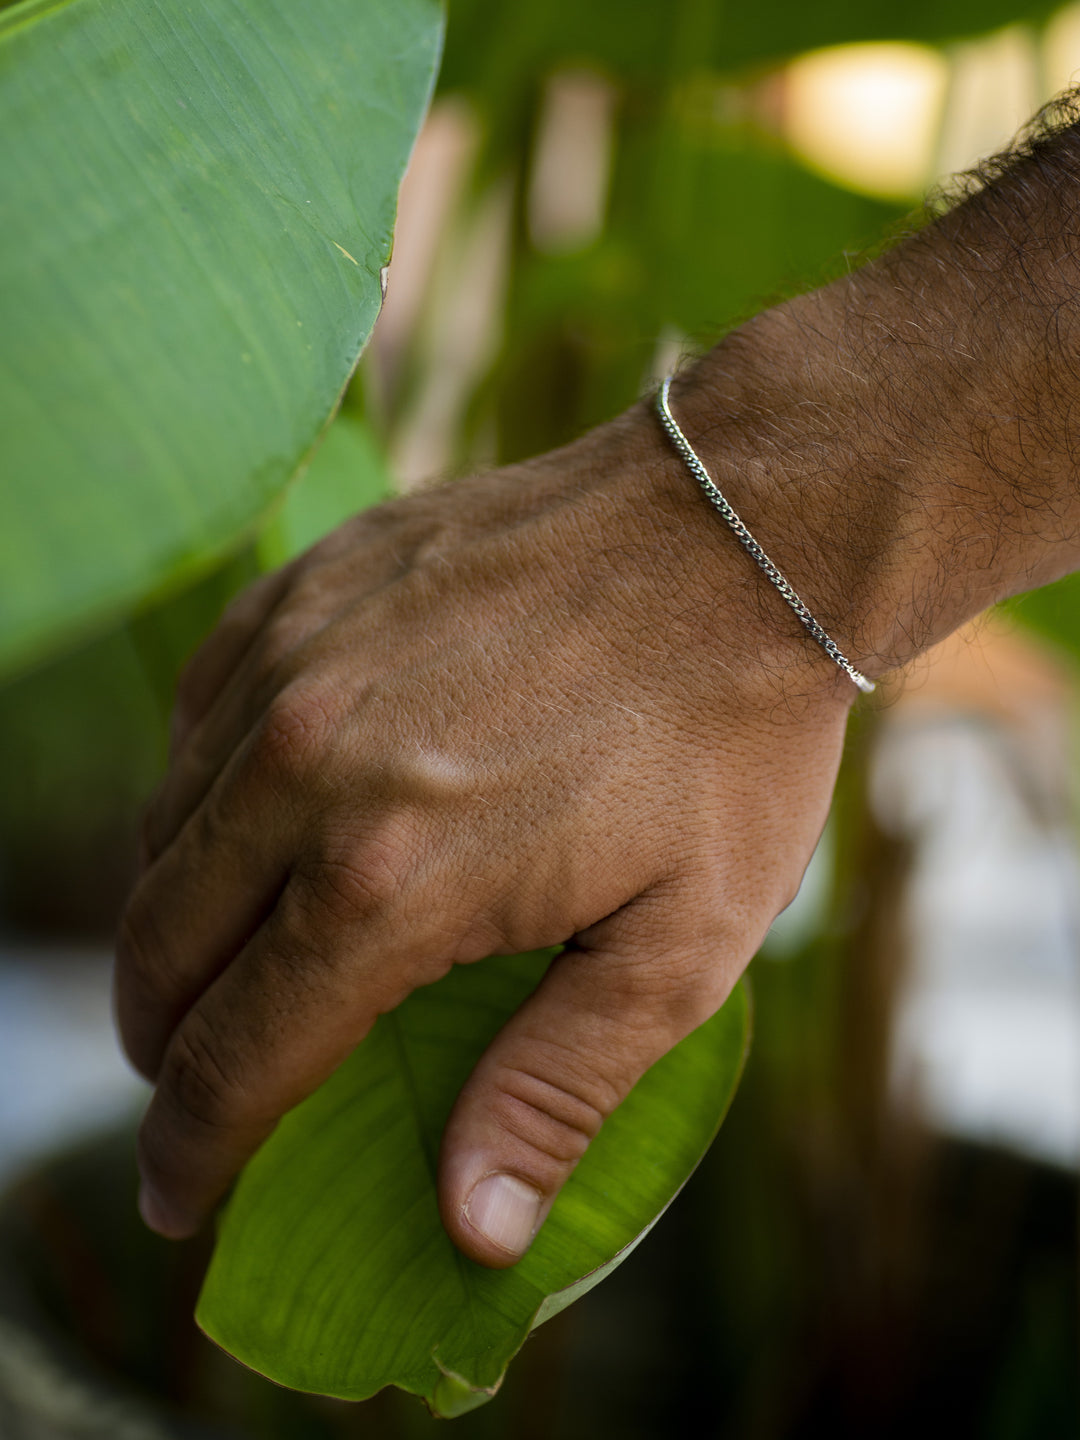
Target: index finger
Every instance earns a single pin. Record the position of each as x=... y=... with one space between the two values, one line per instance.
x=272 y=1027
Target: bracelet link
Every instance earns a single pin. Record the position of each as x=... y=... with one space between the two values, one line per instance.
x=773 y=573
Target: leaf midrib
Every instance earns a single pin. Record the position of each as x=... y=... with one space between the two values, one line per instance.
x=430 y=1159
x=393 y=1024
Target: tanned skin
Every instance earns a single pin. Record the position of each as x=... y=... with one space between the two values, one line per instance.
x=558 y=704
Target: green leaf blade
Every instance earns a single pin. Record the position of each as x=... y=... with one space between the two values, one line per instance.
x=195 y=221
x=332 y=1271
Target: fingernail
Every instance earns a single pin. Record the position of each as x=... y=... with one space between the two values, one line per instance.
x=505 y=1211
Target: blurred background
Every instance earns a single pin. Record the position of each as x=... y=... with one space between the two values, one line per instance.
x=885 y=1233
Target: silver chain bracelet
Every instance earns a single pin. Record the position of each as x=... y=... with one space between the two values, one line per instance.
x=715 y=497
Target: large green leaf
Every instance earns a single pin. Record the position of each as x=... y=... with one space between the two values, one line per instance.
x=198 y=201
x=332 y=1272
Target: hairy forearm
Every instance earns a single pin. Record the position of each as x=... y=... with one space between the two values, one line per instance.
x=905 y=441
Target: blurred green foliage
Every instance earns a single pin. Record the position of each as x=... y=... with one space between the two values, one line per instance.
x=1053 y=612
x=499 y=53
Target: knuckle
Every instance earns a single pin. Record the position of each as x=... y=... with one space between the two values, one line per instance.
x=280 y=636
x=298 y=731
x=693 y=995
x=646 y=1007
x=708 y=947
x=197 y=1082
x=345 y=888
x=366 y=878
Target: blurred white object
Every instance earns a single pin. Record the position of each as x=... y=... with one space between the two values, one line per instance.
x=1061 y=49
x=868 y=115
x=995 y=87
x=571 y=166
x=987 y=1033
x=61 y=1073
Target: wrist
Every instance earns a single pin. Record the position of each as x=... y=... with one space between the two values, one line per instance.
x=776 y=418
x=746 y=541
x=693 y=587
x=898 y=499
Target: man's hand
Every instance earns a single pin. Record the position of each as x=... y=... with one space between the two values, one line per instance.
x=551 y=704
x=559 y=704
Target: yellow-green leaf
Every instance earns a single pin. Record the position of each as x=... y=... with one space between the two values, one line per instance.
x=332 y=1271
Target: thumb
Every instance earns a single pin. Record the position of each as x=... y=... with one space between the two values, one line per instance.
x=616 y=1000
